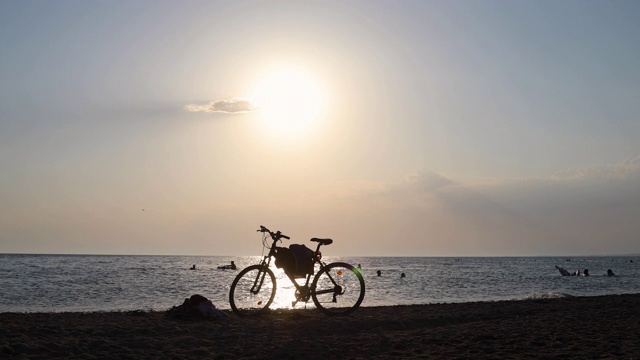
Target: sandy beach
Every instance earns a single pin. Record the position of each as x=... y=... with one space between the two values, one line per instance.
x=578 y=327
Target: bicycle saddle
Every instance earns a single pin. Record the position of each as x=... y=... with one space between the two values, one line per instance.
x=322 y=241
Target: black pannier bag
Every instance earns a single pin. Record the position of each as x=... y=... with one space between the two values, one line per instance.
x=285 y=259
x=296 y=261
x=304 y=260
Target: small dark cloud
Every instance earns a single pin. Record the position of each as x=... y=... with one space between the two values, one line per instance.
x=426 y=181
x=232 y=106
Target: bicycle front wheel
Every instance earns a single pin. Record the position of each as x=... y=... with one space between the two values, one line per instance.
x=338 y=289
x=252 y=291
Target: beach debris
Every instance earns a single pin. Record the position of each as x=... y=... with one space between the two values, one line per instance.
x=195 y=307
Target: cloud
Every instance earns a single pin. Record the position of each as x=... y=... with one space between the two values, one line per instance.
x=232 y=106
x=625 y=169
x=427 y=181
x=590 y=210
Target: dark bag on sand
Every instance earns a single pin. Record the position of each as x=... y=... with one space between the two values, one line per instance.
x=296 y=261
x=184 y=311
x=195 y=307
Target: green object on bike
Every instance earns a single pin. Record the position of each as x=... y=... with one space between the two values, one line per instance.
x=336 y=288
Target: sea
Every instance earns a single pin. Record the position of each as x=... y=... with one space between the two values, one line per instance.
x=101 y=283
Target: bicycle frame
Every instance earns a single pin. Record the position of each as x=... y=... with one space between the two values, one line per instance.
x=303 y=293
x=337 y=288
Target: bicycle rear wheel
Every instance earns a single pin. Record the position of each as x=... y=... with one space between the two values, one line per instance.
x=338 y=289
x=252 y=291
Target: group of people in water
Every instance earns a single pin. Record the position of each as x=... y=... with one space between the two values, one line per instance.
x=562 y=270
x=232 y=266
x=585 y=272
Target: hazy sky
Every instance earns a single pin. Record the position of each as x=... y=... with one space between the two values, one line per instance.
x=414 y=128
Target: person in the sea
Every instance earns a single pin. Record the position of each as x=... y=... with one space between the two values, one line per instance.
x=402 y=275
x=585 y=272
x=563 y=271
x=193 y=267
x=610 y=273
x=232 y=266
x=379 y=272
x=577 y=273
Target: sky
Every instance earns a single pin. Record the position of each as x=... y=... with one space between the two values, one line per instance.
x=396 y=128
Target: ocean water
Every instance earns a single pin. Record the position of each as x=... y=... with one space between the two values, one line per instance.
x=58 y=283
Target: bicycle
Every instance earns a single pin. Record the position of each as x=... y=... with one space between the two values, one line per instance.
x=337 y=288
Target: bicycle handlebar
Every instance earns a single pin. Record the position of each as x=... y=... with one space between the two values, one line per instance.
x=274 y=235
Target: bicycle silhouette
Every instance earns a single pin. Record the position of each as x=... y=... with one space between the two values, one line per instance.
x=337 y=288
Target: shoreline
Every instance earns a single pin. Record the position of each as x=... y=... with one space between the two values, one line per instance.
x=226 y=308
x=571 y=327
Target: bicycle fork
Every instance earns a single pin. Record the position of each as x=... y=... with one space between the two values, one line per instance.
x=257 y=283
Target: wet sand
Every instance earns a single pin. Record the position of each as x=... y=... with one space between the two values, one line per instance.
x=569 y=328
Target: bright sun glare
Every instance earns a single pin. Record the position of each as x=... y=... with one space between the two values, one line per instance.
x=288 y=100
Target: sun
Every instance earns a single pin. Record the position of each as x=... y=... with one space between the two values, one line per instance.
x=288 y=101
